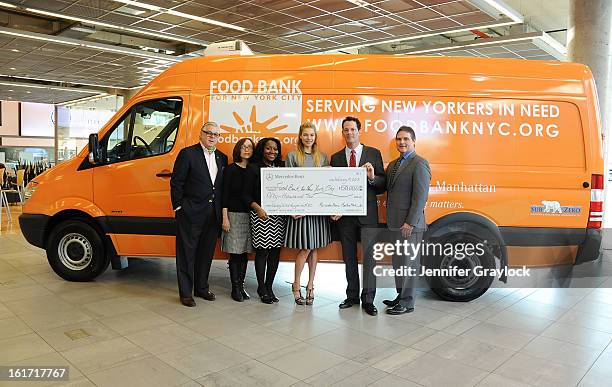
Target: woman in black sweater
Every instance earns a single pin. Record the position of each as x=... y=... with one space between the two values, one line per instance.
x=267 y=231
x=236 y=237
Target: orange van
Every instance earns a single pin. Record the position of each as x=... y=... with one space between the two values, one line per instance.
x=515 y=148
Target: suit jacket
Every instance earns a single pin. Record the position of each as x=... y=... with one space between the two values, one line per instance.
x=373 y=156
x=191 y=186
x=407 y=192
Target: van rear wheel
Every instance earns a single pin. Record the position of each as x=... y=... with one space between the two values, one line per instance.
x=460 y=287
x=76 y=252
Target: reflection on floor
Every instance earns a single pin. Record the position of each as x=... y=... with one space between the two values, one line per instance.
x=127 y=328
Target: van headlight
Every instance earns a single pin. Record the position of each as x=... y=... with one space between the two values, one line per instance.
x=30 y=189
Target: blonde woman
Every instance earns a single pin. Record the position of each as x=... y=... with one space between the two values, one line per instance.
x=306 y=233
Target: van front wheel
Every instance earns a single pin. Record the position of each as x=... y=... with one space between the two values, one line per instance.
x=76 y=252
x=465 y=285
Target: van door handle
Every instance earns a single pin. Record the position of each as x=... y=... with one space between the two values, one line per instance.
x=164 y=174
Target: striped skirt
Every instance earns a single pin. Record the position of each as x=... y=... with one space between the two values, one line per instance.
x=267 y=233
x=309 y=232
x=238 y=239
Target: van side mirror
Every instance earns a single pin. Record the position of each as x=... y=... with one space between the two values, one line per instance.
x=94 y=149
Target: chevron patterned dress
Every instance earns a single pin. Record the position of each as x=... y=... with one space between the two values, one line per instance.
x=269 y=233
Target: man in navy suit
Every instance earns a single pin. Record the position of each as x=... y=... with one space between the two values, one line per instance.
x=353 y=228
x=195 y=190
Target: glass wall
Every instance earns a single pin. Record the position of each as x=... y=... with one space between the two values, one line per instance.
x=76 y=121
x=13 y=156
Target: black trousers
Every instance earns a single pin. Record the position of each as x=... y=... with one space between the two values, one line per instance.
x=351 y=231
x=195 y=246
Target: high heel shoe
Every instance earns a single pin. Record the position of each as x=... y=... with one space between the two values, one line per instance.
x=263 y=295
x=271 y=294
x=297 y=295
x=309 y=296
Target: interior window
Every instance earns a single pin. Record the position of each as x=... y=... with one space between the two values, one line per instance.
x=148 y=129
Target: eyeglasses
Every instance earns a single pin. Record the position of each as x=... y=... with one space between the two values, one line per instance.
x=246 y=147
x=210 y=134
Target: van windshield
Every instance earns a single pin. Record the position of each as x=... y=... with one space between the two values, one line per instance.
x=148 y=129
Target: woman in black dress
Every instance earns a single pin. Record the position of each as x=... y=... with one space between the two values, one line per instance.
x=236 y=237
x=267 y=231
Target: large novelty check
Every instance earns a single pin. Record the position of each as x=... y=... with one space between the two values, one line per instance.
x=314 y=191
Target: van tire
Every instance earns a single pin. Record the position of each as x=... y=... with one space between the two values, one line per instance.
x=460 y=289
x=76 y=251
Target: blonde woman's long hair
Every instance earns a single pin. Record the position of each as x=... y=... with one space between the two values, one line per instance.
x=300 y=155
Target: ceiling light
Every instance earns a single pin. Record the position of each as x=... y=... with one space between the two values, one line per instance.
x=130 y=11
x=62 y=81
x=83 y=29
x=119 y=27
x=554 y=43
x=15 y=50
x=29 y=35
x=97 y=46
x=31 y=86
x=3 y=4
x=150 y=7
x=126 y=51
x=12 y=68
x=84 y=99
x=497 y=7
x=22 y=85
x=181 y=14
x=360 y=3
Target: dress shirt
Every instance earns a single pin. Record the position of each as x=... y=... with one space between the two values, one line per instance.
x=357 y=150
x=211 y=163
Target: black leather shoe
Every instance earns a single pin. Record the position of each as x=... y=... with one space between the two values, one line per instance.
x=273 y=297
x=188 y=301
x=370 y=309
x=348 y=303
x=392 y=303
x=208 y=296
x=266 y=299
x=399 y=309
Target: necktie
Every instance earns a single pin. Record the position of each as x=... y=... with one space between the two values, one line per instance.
x=352 y=160
x=395 y=168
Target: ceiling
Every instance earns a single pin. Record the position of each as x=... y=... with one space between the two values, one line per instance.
x=280 y=26
x=80 y=47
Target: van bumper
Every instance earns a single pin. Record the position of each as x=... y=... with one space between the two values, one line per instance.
x=588 y=240
x=33 y=228
x=589 y=250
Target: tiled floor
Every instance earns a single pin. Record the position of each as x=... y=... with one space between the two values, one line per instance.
x=127 y=328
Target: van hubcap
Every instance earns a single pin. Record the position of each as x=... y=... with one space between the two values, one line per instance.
x=468 y=263
x=75 y=251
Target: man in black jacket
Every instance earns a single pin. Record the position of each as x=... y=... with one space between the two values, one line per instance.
x=195 y=190
x=351 y=228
